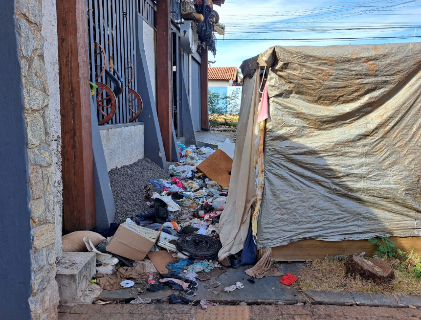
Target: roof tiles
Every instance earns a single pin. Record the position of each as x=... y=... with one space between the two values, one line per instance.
x=223 y=73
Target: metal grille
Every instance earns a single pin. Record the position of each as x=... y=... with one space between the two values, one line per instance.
x=176 y=11
x=112 y=24
x=147 y=9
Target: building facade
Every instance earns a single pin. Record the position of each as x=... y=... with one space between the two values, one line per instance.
x=53 y=161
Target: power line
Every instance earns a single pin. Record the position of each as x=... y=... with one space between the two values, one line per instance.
x=320 y=39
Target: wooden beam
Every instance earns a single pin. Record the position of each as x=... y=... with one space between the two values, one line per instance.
x=316 y=249
x=204 y=90
x=164 y=73
x=76 y=129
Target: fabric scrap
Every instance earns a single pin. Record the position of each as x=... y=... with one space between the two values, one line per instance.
x=236 y=286
x=200 y=266
x=264 y=267
x=140 y=300
x=288 y=279
x=184 y=285
x=177 y=299
x=176 y=268
x=156 y=287
x=264 y=106
x=205 y=304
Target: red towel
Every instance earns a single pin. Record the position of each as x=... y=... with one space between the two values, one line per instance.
x=288 y=279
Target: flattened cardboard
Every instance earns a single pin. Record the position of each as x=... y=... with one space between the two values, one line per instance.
x=132 y=241
x=217 y=168
x=161 y=259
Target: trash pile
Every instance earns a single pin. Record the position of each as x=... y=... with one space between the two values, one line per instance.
x=176 y=241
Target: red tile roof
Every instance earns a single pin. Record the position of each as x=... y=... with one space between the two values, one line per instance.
x=218 y=2
x=223 y=73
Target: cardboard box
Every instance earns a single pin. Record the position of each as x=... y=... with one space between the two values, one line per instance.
x=132 y=241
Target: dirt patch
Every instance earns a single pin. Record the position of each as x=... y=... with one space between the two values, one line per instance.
x=329 y=275
x=220 y=121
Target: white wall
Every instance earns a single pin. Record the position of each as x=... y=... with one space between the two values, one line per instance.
x=123 y=144
x=49 y=32
x=219 y=83
x=149 y=43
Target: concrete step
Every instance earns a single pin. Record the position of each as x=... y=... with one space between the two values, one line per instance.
x=74 y=274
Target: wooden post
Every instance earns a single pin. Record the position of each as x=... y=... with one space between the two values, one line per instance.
x=164 y=73
x=76 y=129
x=204 y=90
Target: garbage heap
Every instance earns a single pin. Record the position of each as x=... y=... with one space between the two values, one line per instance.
x=176 y=241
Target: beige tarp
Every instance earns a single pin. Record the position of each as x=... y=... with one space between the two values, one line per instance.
x=342 y=149
x=235 y=219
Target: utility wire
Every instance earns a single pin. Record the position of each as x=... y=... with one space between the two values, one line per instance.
x=319 y=39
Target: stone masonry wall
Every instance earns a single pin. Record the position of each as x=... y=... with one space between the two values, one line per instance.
x=45 y=298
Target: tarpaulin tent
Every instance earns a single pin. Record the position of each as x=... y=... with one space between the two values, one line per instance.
x=342 y=146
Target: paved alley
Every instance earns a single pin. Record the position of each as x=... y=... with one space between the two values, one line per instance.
x=255 y=312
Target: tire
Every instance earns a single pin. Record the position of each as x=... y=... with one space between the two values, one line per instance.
x=135 y=105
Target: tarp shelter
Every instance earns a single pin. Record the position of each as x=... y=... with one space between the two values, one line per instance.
x=342 y=146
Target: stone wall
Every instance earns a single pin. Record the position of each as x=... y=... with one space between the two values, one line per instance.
x=42 y=182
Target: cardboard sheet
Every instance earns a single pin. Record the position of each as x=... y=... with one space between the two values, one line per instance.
x=217 y=167
x=132 y=241
x=161 y=259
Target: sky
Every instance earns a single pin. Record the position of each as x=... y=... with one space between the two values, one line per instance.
x=311 y=23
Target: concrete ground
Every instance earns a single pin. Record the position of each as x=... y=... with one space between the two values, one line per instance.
x=214 y=137
x=253 y=312
x=267 y=289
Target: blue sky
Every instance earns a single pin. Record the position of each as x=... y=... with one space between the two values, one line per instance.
x=316 y=21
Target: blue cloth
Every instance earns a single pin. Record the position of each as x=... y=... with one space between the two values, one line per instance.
x=249 y=254
x=158 y=184
x=176 y=268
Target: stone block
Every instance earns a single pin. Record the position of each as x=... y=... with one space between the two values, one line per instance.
x=51 y=254
x=409 y=300
x=38 y=259
x=43 y=236
x=375 y=299
x=74 y=273
x=37 y=212
x=32 y=9
x=35 y=183
x=336 y=298
x=41 y=279
x=45 y=300
x=34 y=99
x=29 y=37
x=40 y=156
x=122 y=294
x=35 y=129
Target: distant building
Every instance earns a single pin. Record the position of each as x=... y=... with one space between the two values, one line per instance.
x=225 y=82
x=223 y=76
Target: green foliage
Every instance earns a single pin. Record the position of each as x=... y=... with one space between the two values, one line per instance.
x=215 y=123
x=214 y=103
x=385 y=247
x=220 y=103
x=417 y=270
